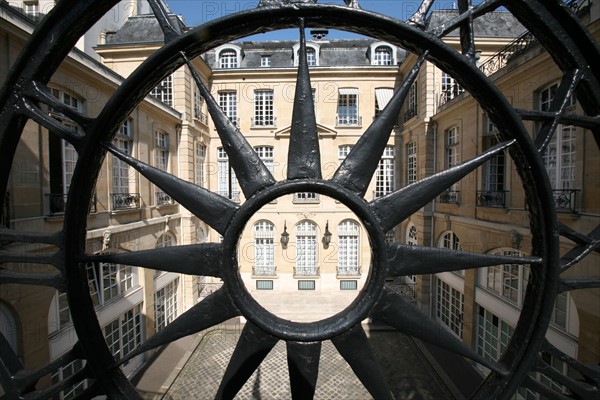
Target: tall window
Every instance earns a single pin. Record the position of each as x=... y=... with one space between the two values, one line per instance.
x=560 y=314
x=265 y=153
x=493 y=335
x=411 y=104
x=450 y=241
x=452 y=151
x=124 y=334
x=63 y=156
x=450 y=305
x=559 y=156
x=108 y=281
x=198 y=106
x=382 y=56
x=493 y=169
x=166 y=304
x=450 y=88
x=306 y=249
x=226 y=187
x=199 y=164
x=343 y=152
x=384 y=180
x=411 y=162
x=166 y=240
x=164 y=91
x=228 y=103
x=264 y=250
x=263 y=108
x=508 y=281
x=64 y=373
x=228 y=59
x=347 y=110
x=161 y=155
x=121 y=170
x=348 y=256
x=311 y=56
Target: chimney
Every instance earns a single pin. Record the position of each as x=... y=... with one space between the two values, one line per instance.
x=319 y=34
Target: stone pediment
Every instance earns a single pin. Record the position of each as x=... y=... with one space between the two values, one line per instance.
x=324 y=132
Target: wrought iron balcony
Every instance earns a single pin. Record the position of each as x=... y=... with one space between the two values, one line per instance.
x=264 y=122
x=58 y=203
x=499 y=60
x=410 y=113
x=489 y=198
x=163 y=199
x=565 y=199
x=349 y=271
x=307 y=271
x=125 y=201
x=348 y=120
x=406 y=290
x=269 y=270
x=200 y=116
x=448 y=94
x=450 y=197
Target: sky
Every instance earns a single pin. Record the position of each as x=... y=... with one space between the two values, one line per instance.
x=196 y=12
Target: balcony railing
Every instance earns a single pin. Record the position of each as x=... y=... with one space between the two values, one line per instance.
x=307 y=271
x=349 y=271
x=264 y=122
x=410 y=112
x=125 y=201
x=348 y=120
x=565 y=199
x=488 y=198
x=448 y=94
x=163 y=199
x=200 y=116
x=450 y=197
x=58 y=203
x=233 y=196
x=270 y=270
x=406 y=290
x=306 y=197
x=499 y=60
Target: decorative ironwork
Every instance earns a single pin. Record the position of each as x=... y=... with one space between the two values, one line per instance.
x=348 y=121
x=488 y=198
x=450 y=197
x=264 y=271
x=307 y=271
x=58 y=203
x=349 y=271
x=565 y=40
x=263 y=122
x=565 y=199
x=406 y=290
x=164 y=199
x=499 y=60
x=306 y=197
x=450 y=93
x=126 y=201
x=410 y=113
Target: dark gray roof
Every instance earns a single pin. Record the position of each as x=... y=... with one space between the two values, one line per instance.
x=501 y=24
x=142 y=29
x=334 y=52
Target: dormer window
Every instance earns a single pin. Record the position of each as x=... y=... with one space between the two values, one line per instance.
x=228 y=56
x=312 y=54
x=382 y=53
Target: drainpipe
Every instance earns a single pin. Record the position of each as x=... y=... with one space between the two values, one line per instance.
x=434 y=131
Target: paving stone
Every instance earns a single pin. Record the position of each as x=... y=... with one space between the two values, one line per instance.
x=407 y=372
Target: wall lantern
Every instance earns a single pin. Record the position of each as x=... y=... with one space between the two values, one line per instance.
x=285 y=237
x=326 y=236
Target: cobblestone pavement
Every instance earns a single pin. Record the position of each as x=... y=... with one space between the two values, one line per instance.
x=409 y=375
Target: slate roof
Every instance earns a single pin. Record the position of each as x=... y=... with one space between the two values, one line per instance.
x=143 y=29
x=501 y=24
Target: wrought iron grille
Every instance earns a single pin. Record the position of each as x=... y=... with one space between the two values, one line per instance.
x=26 y=94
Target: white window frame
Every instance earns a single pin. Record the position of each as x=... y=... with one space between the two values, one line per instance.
x=450 y=88
x=228 y=58
x=164 y=91
x=450 y=306
x=411 y=162
x=383 y=55
x=264 y=248
x=110 y=281
x=64 y=373
x=507 y=281
x=385 y=179
x=161 y=150
x=311 y=49
x=493 y=334
x=228 y=103
x=412 y=105
x=263 y=108
x=266 y=154
x=223 y=171
x=199 y=164
x=121 y=171
x=265 y=60
x=166 y=304
x=306 y=248
x=348 y=248
x=347 y=107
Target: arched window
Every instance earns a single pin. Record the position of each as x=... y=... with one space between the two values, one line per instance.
x=264 y=249
x=306 y=249
x=382 y=56
x=348 y=251
x=228 y=58
x=166 y=240
x=312 y=54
